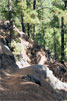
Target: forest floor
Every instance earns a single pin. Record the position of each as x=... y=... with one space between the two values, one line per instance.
x=25 y=84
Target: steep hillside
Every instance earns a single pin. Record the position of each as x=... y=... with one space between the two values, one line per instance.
x=31 y=75
x=32 y=54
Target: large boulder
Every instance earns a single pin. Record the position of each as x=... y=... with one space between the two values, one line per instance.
x=7 y=60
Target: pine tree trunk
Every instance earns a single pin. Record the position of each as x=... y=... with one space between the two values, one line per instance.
x=43 y=36
x=43 y=30
x=62 y=40
x=65 y=3
x=28 y=25
x=55 y=51
x=22 y=23
x=33 y=31
x=34 y=7
x=10 y=19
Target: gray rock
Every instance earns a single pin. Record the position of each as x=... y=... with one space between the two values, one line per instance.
x=7 y=60
x=47 y=73
x=32 y=78
x=41 y=72
x=54 y=81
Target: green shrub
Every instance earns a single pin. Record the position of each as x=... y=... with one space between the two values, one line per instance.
x=17 y=47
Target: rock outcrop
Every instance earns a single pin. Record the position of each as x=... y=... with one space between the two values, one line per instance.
x=7 y=60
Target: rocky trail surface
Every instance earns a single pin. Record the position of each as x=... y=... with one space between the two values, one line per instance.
x=28 y=84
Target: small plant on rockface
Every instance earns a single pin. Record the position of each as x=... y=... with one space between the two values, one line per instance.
x=17 y=47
